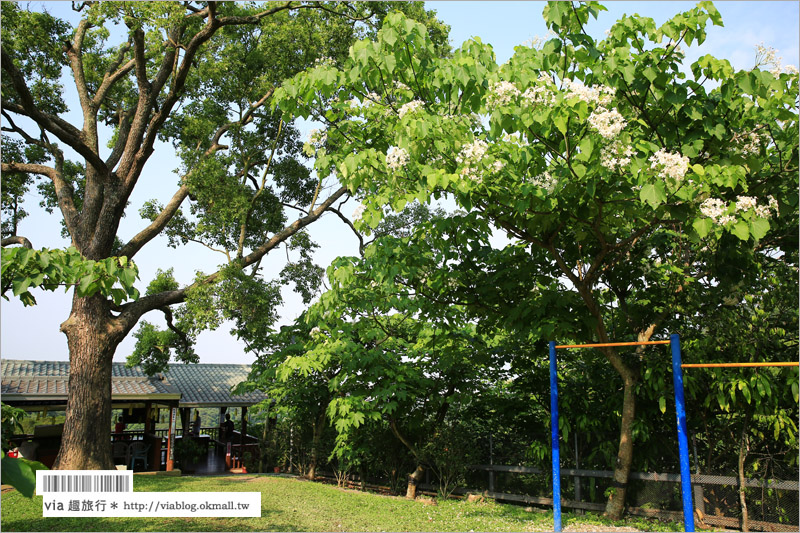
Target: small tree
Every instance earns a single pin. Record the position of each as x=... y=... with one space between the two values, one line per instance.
x=598 y=157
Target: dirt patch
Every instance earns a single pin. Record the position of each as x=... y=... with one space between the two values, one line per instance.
x=598 y=527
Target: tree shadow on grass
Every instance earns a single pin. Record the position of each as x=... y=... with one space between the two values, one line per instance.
x=265 y=523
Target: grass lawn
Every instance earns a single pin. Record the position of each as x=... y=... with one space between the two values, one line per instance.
x=289 y=504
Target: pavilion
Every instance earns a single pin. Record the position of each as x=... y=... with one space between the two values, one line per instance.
x=41 y=386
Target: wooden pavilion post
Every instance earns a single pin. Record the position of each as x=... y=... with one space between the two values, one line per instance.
x=171 y=439
x=244 y=426
x=148 y=418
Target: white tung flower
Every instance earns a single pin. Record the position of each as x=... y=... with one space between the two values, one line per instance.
x=768 y=57
x=538 y=94
x=773 y=203
x=748 y=143
x=744 y=203
x=669 y=165
x=533 y=42
x=730 y=301
x=616 y=156
x=501 y=93
x=411 y=107
x=497 y=166
x=607 y=123
x=472 y=174
x=315 y=331
x=763 y=211
x=359 y=212
x=317 y=137
x=791 y=69
x=472 y=152
x=596 y=94
x=545 y=181
x=396 y=158
x=545 y=78
x=371 y=98
x=716 y=210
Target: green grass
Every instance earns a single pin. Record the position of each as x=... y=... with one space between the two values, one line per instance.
x=289 y=504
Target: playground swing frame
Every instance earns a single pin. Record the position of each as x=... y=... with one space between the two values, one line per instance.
x=680 y=413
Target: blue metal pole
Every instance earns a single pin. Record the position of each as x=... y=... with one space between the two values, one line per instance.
x=554 y=444
x=683 y=442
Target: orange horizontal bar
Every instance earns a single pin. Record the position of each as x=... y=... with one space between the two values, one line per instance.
x=736 y=365
x=611 y=344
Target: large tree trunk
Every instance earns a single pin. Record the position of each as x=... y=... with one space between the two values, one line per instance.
x=622 y=468
x=92 y=340
x=319 y=427
x=742 y=456
x=413 y=480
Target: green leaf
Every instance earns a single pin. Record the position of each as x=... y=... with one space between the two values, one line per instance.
x=561 y=123
x=703 y=226
x=20 y=473
x=20 y=285
x=84 y=284
x=662 y=404
x=391 y=62
x=388 y=35
x=629 y=73
x=653 y=194
x=579 y=170
x=127 y=277
x=759 y=228
x=746 y=392
x=741 y=230
x=586 y=146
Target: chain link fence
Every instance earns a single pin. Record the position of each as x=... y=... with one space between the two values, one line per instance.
x=767 y=502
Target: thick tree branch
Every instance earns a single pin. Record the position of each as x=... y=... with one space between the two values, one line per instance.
x=75 y=55
x=59 y=127
x=146 y=235
x=30 y=168
x=150 y=232
x=352 y=227
x=246 y=118
x=123 y=132
x=168 y=318
x=131 y=312
x=619 y=247
x=17 y=239
x=293 y=228
x=402 y=438
x=109 y=80
x=255 y=19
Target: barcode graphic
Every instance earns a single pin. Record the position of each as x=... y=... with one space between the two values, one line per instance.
x=83 y=483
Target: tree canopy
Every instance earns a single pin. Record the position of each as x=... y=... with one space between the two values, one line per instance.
x=199 y=76
x=625 y=175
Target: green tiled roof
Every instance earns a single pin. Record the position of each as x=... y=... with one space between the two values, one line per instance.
x=197 y=385
x=210 y=384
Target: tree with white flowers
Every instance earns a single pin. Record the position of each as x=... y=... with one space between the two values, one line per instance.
x=621 y=170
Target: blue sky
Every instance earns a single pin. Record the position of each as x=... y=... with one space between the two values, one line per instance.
x=502 y=24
